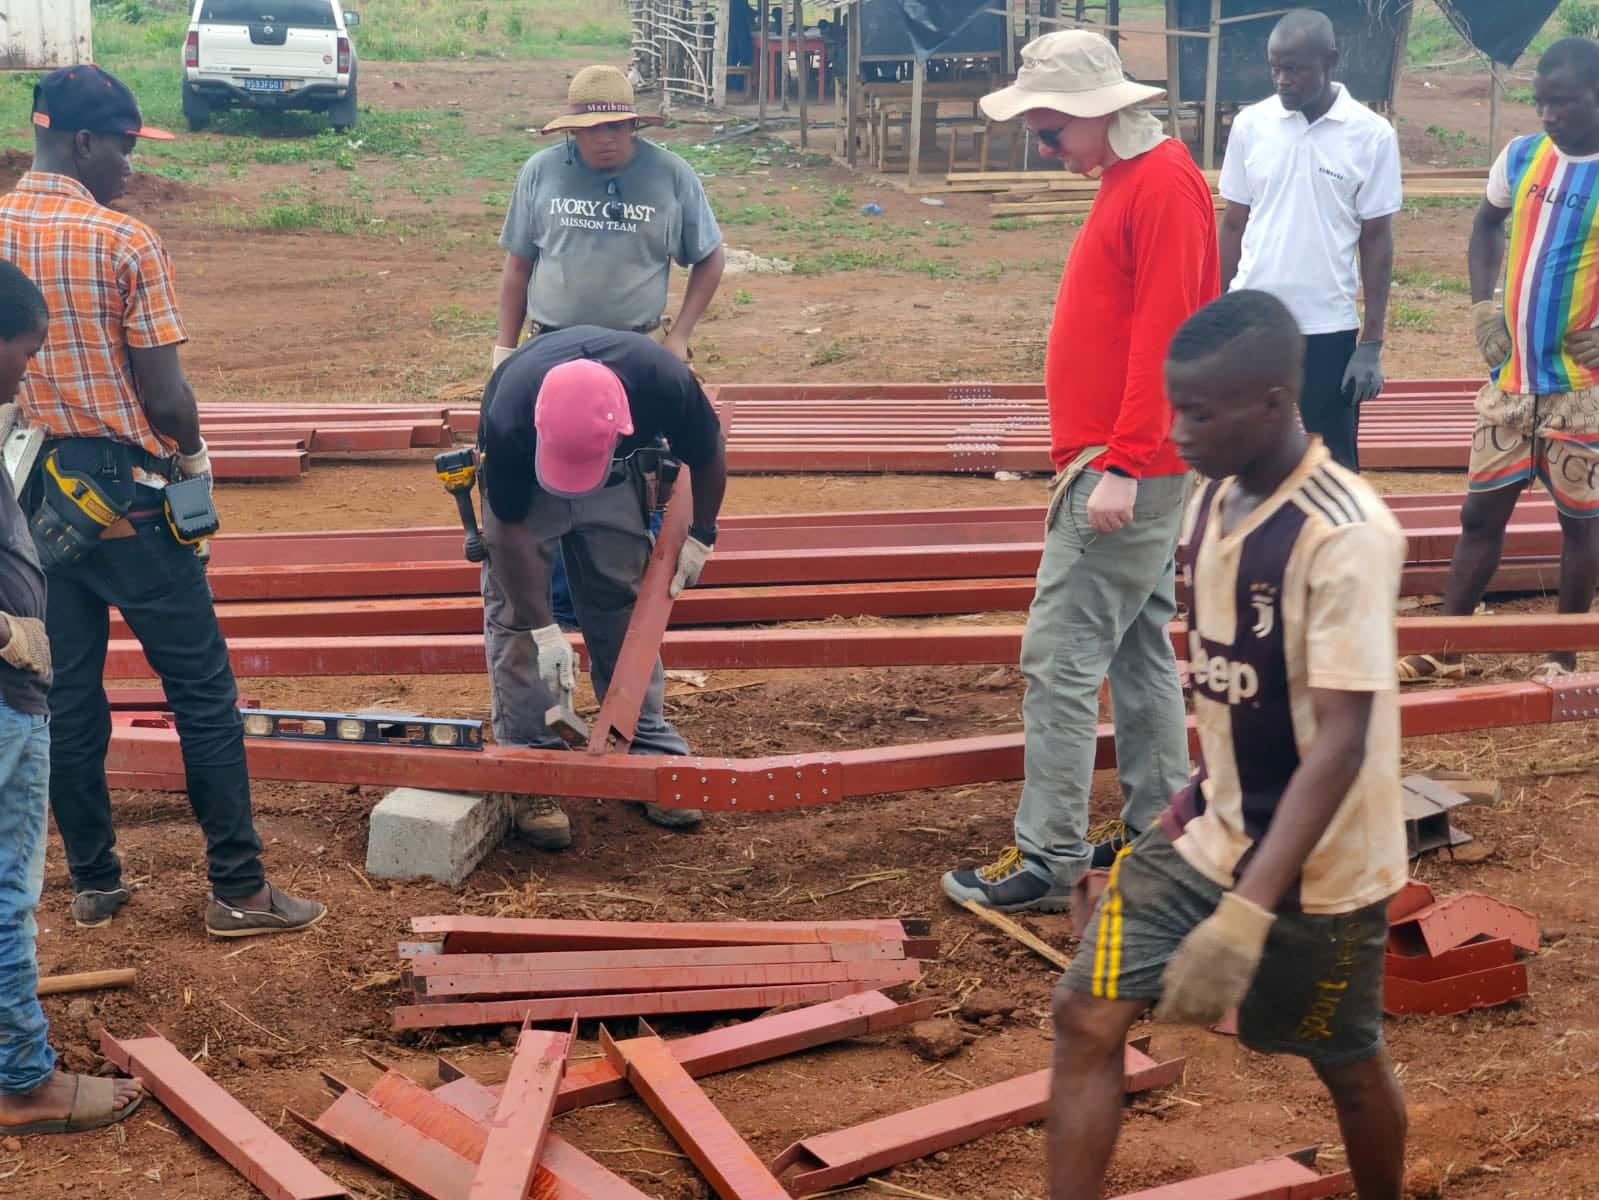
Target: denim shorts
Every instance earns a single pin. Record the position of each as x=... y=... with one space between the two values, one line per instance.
x=1317 y=994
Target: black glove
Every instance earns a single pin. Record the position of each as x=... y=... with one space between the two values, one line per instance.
x=1363 y=375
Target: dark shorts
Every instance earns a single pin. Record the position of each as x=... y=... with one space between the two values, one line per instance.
x=1318 y=993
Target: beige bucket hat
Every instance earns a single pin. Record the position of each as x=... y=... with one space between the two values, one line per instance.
x=599 y=95
x=1071 y=71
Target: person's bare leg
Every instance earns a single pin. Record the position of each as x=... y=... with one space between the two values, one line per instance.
x=1579 y=573
x=1483 y=519
x=1086 y=1090
x=52 y=1100
x=1371 y=1117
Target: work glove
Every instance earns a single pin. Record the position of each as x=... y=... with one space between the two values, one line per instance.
x=27 y=647
x=691 y=560
x=1363 y=375
x=557 y=663
x=501 y=353
x=1211 y=972
x=1583 y=346
x=196 y=465
x=1492 y=334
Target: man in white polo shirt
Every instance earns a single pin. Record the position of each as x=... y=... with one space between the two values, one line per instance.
x=1311 y=180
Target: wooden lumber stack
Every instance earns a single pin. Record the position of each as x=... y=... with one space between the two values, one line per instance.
x=494 y=971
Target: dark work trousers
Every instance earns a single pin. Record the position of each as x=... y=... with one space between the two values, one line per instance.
x=161 y=590
x=1322 y=406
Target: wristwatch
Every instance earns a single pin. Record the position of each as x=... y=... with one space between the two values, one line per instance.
x=705 y=537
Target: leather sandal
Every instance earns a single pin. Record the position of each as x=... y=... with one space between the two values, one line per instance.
x=1419 y=668
x=93 y=1107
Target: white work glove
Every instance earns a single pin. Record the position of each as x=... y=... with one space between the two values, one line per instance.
x=501 y=353
x=557 y=663
x=691 y=560
x=27 y=647
x=1210 y=974
x=196 y=465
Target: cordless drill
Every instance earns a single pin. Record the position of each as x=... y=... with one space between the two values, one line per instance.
x=458 y=472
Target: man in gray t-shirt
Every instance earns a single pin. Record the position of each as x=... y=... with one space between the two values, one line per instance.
x=595 y=224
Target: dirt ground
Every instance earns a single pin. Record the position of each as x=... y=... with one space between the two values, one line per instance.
x=1503 y=1103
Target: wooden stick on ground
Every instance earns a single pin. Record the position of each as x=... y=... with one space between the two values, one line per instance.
x=1001 y=922
x=87 y=981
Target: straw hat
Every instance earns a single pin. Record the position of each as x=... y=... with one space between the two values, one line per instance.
x=599 y=95
x=1072 y=71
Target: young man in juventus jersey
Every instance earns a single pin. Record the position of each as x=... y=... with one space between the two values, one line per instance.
x=1265 y=886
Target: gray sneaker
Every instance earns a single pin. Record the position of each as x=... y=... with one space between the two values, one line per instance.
x=542 y=823
x=283 y=914
x=91 y=910
x=679 y=819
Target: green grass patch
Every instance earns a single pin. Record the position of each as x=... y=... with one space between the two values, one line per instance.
x=1423 y=202
x=303 y=215
x=1413 y=316
x=1418 y=278
x=742 y=297
x=415 y=30
x=456 y=319
x=834 y=352
x=827 y=262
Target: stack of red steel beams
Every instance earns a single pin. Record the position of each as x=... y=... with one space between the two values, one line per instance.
x=495 y=971
x=801 y=428
x=1448 y=956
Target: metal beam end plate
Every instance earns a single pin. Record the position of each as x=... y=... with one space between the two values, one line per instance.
x=1576 y=697
x=749 y=785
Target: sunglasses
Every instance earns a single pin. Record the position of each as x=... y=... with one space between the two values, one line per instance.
x=613 y=210
x=1049 y=137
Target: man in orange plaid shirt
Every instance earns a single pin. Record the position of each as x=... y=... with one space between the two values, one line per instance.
x=112 y=398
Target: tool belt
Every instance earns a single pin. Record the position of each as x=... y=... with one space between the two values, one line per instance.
x=82 y=491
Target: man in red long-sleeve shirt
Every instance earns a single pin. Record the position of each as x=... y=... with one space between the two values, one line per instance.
x=1144 y=261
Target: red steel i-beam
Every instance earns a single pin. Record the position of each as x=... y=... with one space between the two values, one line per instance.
x=706 y=1136
x=430 y=963
x=466 y=934
x=521 y=1122
x=635 y=662
x=1288 y=1177
x=830 y=1160
x=243 y=1140
x=660 y=979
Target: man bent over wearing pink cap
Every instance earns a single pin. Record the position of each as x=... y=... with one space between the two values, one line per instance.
x=570 y=428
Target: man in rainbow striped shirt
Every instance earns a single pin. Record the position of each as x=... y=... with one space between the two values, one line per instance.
x=1538 y=415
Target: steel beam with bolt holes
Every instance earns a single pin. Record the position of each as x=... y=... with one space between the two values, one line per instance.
x=778 y=782
x=596 y=1081
x=712 y=1144
x=243 y=1140
x=1289 y=1177
x=831 y=1160
x=1450 y=923
x=785 y=649
x=630 y=1004
x=521 y=1121
x=432 y=963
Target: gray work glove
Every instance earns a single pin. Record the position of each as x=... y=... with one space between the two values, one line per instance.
x=1492 y=334
x=1363 y=375
x=557 y=663
x=27 y=647
x=1210 y=974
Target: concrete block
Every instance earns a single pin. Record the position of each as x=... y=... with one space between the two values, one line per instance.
x=418 y=834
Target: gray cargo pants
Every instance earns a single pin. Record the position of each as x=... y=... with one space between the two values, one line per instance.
x=606 y=545
x=1100 y=609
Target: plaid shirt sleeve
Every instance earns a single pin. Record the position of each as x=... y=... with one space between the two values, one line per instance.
x=149 y=296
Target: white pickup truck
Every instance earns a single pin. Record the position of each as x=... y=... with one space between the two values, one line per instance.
x=270 y=54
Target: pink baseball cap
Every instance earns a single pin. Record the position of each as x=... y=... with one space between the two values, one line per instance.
x=580 y=414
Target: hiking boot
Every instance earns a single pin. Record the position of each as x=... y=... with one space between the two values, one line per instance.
x=679 y=819
x=542 y=823
x=92 y=909
x=282 y=914
x=1108 y=841
x=1009 y=884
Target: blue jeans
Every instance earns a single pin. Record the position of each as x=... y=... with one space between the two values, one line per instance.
x=26 y=1059
x=561 y=591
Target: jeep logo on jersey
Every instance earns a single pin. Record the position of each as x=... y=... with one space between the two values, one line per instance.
x=1223 y=678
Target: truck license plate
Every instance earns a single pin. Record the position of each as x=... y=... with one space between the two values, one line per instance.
x=263 y=85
